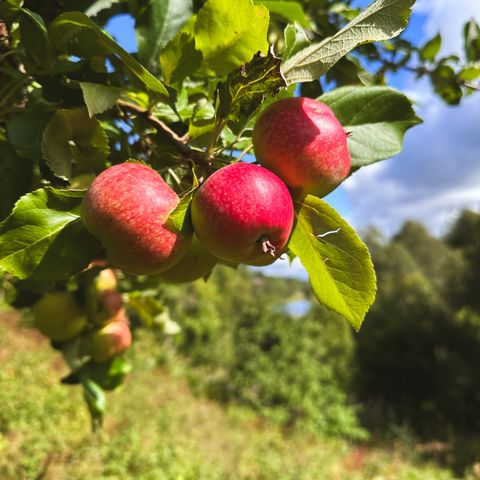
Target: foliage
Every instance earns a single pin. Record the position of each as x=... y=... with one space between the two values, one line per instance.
x=44 y=433
x=73 y=102
x=416 y=357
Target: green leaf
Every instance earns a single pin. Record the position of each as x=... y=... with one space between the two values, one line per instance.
x=157 y=24
x=246 y=88
x=41 y=237
x=180 y=219
x=430 y=50
x=74 y=143
x=99 y=98
x=229 y=33
x=35 y=39
x=25 y=133
x=76 y=34
x=471 y=34
x=291 y=11
x=469 y=73
x=295 y=40
x=338 y=263
x=381 y=20
x=95 y=398
x=15 y=178
x=445 y=84
x=376 y=119
x=179 y=58
x=108 y=375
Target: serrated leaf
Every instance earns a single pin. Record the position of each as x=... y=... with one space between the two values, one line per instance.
x=381 y=20
x=99 y=98
x=246 y=88
x=179 y=219
x=229 y=33
x=35 y=39
x=74 y=143
x=291 y=11
x=157 y=24
x=15 y=178
x=338 y=263
x=430 y=50
x=179 y=58
x=41 y=237
x=295 y=40
x=376 y=119
x=76 y=34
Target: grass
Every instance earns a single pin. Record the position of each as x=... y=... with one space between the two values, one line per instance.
x=157 y=429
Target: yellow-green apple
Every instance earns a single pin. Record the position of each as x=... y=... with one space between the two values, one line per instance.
x=110 y=341
x=196 y=263
x=243 y=213
x=127 y=207
x=58 y=316
x=302 y=141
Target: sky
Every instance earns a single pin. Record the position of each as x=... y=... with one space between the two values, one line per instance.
x=438 y=172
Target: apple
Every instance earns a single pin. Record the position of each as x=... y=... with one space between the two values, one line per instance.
x=196 y=263
x=126 y=207
x=110 y=341
x=58 y=316
x=302 y=141
x=243 y=213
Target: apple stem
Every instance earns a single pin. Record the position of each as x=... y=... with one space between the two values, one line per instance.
x=267 y=247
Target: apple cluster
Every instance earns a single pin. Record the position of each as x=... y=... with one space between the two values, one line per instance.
x=242 y=213
x=104 y=334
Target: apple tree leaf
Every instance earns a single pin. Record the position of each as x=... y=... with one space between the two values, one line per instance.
x=430 y=50
x=338 y=263
x=229 y=33
x=179 y=58
x=76 y=34
x=35 y=39
x=157 y=24
x=41 y=237
x=180 y=219
x=99 y=98
x=295 y=40
x=246 y=88
x=291 y=11
x=376 y=119
x=74 y=143
x=381 y=20
x=471 y=33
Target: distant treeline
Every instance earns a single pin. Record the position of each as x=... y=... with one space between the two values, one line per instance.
x=414 y=364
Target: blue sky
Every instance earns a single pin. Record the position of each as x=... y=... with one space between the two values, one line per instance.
x=438 y=173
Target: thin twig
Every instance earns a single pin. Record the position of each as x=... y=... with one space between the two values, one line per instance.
x=177 y=141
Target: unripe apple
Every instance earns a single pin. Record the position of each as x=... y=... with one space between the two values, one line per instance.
x=243 y=213
x=106 y=280
x=58 y=316
x=110 y=341
x=196 y=263
x=301 y=140
x=126 y=207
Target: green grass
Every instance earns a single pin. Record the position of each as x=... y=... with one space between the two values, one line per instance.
x=157 y=429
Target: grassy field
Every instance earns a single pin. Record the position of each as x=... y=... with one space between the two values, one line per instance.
x=157 y=429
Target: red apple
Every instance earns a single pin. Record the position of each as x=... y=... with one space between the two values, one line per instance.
x=58 y=316
x=301 y=140
x=126 y=207
x=243 y=213
x=110 y=341
x=196 y=263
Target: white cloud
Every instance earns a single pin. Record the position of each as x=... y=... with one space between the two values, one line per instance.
x=448 y=17
x=438 y=173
